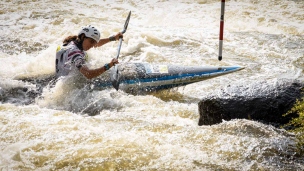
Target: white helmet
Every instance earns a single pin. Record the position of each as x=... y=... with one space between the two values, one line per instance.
x=91 y=32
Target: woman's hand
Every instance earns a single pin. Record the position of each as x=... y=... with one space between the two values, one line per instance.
x=118 y=35
x=113 y=62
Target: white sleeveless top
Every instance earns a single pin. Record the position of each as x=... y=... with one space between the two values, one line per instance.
x=69 y=58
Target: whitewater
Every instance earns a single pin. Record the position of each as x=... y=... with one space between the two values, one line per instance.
x=64 y=126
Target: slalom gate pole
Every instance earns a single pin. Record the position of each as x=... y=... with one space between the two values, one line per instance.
x=221 y=30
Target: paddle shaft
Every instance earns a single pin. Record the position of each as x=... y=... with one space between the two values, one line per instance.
x=221 y=30
x=115 y=77
x=119 y=47
x=122 y=32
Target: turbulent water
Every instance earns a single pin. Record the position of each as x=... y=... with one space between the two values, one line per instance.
x=46 y=127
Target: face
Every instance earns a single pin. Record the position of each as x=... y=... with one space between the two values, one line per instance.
x=88 y=43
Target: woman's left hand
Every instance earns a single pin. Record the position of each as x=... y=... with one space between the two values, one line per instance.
x=118 y=35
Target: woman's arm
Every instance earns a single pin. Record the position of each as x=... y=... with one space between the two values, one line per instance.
x=92 y=73
x=102 y=42
x=107 y=40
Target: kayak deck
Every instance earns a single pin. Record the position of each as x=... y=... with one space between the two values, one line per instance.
x=148 y=77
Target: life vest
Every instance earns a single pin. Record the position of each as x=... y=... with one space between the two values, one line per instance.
x=69 y=58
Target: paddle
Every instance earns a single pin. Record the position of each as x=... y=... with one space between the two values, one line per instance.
x=114 y=77
x=221 y=30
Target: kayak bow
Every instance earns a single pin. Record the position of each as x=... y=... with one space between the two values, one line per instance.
x=148 y=77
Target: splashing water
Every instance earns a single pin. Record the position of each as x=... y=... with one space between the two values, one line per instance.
x=47 y=127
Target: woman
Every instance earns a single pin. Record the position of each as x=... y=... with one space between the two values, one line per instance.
x=72 y=56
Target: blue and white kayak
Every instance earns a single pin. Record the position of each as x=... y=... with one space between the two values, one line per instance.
x=148 y=77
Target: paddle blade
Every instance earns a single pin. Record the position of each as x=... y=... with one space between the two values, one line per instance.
x=115 y=79
x=126 y=23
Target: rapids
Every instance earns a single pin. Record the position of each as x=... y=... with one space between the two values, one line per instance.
x=67 y=126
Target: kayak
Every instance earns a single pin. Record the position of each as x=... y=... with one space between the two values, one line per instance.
x=150 y=77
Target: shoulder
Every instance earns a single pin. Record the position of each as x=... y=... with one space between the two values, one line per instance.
x=74 y=50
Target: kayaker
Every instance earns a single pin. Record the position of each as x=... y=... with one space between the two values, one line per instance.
x=71 y=56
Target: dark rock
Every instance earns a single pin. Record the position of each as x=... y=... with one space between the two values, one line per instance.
x=262 y=101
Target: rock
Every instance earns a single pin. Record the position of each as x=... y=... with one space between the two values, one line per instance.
x=261 y=101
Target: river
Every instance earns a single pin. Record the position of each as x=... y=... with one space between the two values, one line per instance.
x=151 y=131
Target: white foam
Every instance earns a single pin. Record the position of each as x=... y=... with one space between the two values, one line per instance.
x=145 y=132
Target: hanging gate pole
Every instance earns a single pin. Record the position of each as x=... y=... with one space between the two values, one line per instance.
x=221 y=30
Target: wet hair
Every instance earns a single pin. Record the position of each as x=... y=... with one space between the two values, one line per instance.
x=76 y=39
x=68 y=39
